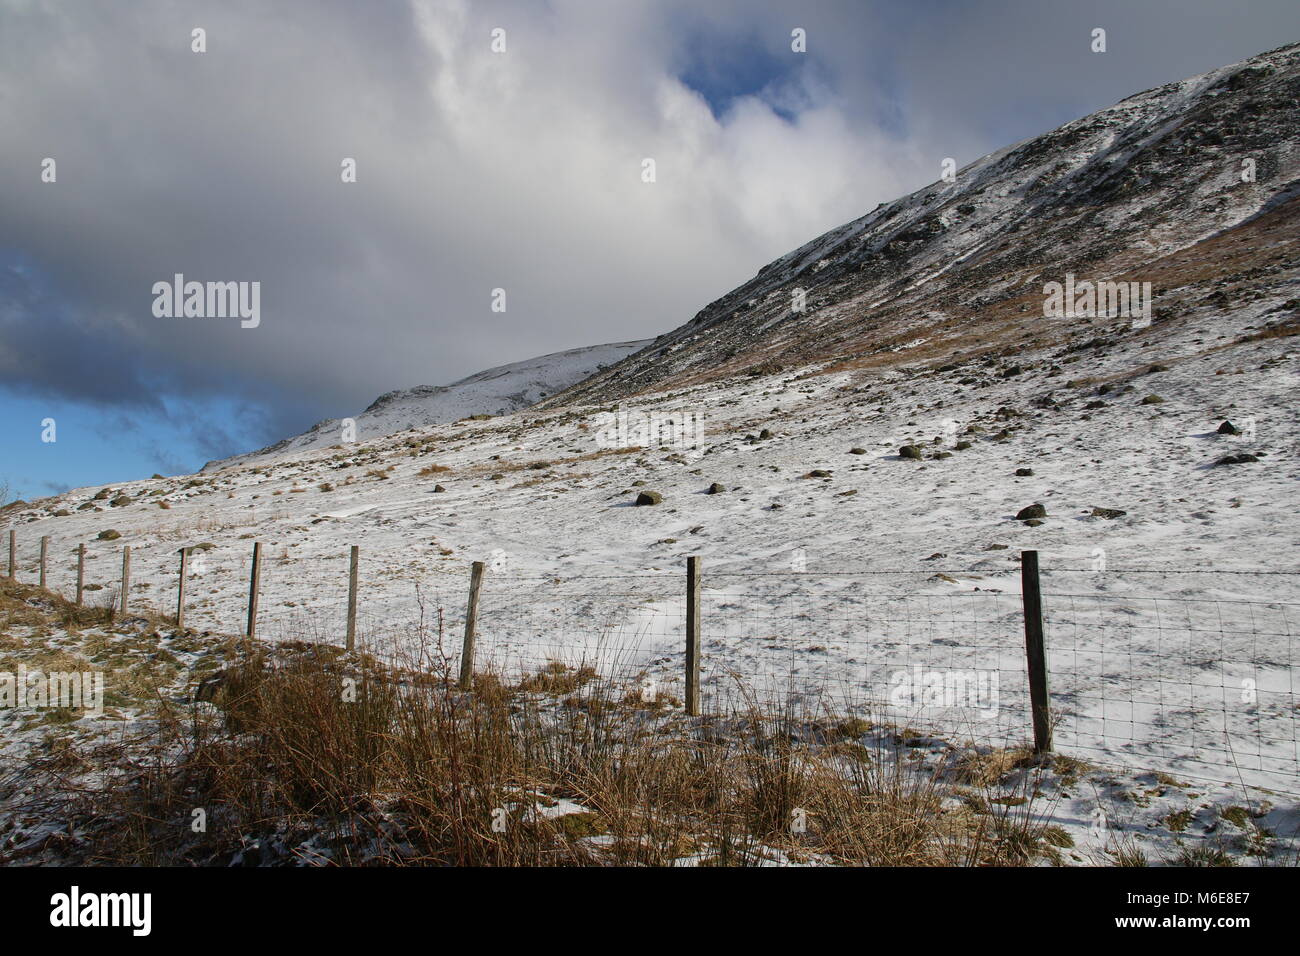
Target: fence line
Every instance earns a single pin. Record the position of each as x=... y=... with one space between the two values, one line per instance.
x=1204 y=684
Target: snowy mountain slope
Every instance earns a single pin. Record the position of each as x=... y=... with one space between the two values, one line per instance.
x=829 y=557
x=494 y=391
x=1111 y=195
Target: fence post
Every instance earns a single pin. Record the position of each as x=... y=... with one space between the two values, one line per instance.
x=254 y=581
x=45 y=548
x=352 y=598
x=126 y=575
x=81 y=571
x=1035 y=651
x=180 y=589
x=693 y=636
x=13 y=554
x=471 y=622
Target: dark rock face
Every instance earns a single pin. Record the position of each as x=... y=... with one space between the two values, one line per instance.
x=1031 y=512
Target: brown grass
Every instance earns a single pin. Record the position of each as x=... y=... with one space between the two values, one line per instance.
x=346 y=760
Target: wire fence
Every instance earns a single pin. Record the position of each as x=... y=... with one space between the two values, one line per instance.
x=1203 y=688
x=1145 y=670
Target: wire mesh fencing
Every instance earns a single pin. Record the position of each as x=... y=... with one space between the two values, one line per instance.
x=1194 y=687
x=1191 y=672
x=1198 y=687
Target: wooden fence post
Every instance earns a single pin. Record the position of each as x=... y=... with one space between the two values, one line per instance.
x=1036 y=652
x=180 y=589
x=81 y=571
x=126 y=575
x=45 y=549
x=254 y=581
x=13 y=554
x=693 y=636
x=352 y=598
x=471 y=622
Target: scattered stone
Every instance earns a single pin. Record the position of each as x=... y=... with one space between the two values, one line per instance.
x=439 y=488
x=62 y=513
x=1033 y=511
x=649 y=498
x=961 y=445
x=109 y=535
x=765 y=434
x=121 y=501
x=857 y=451
x=1094 y=404
x=937 y=555
x=818 y=473
x=1227 y=428
x=1240 y=459
x=910 y=451
x=1033 y=522
x=715 y=489
x=1024 y=472
x=1152 y=400
x=1108 y=513
x=996 y=547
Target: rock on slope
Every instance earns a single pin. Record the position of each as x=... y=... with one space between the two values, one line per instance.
x=496 y=391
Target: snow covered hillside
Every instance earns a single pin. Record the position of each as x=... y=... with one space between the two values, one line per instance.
x=495 y=391
x=855 y=478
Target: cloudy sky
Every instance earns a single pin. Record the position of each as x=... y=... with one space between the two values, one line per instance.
x=476 y=170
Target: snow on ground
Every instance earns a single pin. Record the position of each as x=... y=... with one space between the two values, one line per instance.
x=1189 y=672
